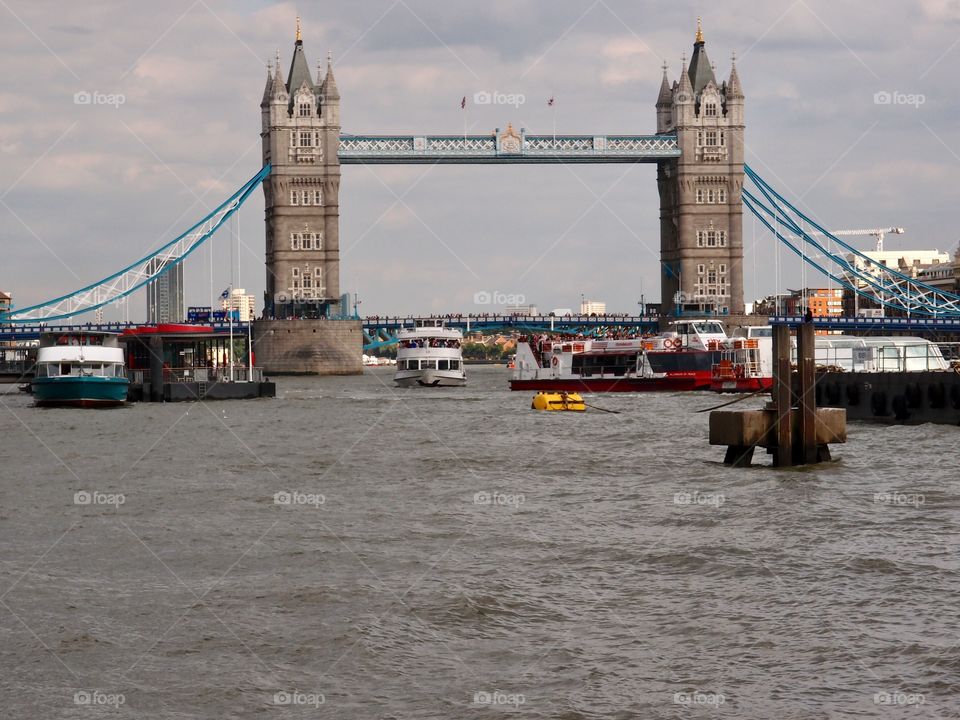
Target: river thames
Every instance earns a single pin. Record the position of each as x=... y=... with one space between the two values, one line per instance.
x=351 y=550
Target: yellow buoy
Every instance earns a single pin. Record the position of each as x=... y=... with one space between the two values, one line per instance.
x=558 y=401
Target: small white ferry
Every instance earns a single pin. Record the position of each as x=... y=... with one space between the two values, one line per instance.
x=80 y=369
x=429 y=354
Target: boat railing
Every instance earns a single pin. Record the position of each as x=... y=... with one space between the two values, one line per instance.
x=607 y=371
x=891 y=357
x=239 y=373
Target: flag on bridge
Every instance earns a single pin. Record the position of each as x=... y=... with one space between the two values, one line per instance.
x=551 y=101
x=463 y=103
x=225 y=294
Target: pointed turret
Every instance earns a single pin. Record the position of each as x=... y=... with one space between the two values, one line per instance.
x=734 y=89
x=665 y=98
x=267 y=88
x=701 y=72
x=664 y=104
x=329 y=88
x=299 y=74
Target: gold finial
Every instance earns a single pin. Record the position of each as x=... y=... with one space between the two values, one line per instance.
x=298 y=29
x=699 y=31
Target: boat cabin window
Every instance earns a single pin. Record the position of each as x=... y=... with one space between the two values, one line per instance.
x=64 y=368
x=759 y=332
x=711 y=328
x=443 y=364
x=428 y=323
x=618 y=365
x=454 y=364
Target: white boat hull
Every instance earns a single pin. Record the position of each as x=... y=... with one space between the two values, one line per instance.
x=430 y=378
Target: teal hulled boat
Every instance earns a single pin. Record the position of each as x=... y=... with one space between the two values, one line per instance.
x=80 y=369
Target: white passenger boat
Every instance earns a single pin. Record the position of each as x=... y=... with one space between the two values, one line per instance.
x=80 y=369
x=428 y=354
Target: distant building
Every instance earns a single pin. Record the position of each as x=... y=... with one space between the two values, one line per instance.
x=823 y=302
x=165 y=294
x=521 y=310
x=933 y=267
x=243 y=303
x=6 y=301
x=593 y=307
x=562 y=312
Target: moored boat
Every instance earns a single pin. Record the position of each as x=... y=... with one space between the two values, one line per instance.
x=746 y=363
x=79 y=369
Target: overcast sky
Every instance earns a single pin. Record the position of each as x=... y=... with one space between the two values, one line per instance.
x=85 y=189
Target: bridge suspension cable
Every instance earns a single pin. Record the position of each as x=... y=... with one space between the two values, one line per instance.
x=145 y=270
x=864 y=275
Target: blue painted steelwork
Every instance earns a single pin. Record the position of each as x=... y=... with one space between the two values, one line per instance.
x=133 y=277
x=879 y=324
x=32 y=332
x=380 y=332
x=507 y=147
x=888 y=287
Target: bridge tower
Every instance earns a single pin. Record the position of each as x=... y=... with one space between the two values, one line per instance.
x=701 y=213
x=301 y=136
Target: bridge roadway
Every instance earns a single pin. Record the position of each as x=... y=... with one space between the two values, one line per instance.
x=377 y=325
x=504 y=148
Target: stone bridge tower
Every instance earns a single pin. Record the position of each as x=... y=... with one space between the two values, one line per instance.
x=701 y=213
x=301 y=135
x=302 y=331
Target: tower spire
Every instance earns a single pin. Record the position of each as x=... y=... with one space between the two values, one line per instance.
x=699 y=37
x=299 y=37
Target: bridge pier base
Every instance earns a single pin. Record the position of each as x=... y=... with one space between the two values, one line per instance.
x=308 y=347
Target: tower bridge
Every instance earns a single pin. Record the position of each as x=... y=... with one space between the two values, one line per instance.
x=697 y=147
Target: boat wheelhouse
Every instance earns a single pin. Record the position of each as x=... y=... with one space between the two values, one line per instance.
x=429 y=355
x=79 y=369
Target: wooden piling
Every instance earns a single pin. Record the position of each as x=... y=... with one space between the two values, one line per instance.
x=806 y=367
x=782 y=396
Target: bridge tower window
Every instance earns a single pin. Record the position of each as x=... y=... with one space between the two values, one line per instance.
x=304 y=109
x=710 y=109
x=294 y=197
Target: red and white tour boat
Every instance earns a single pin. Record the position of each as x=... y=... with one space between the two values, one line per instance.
x=681 y=359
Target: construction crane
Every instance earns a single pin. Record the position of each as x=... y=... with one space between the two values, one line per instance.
x=878 y=233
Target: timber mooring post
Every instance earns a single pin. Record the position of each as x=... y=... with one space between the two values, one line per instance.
x=807 y=450
x=782 y=396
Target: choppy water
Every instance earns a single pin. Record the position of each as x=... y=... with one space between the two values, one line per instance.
x=619 y=570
